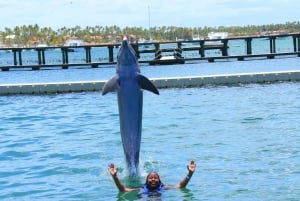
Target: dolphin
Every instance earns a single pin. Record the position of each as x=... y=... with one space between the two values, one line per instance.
x=129 y=82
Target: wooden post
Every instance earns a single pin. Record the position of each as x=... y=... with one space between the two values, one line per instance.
x=295 y=43
x=88 y=58
x=179 y=45
x=111 y=53
x=39 y=57
x=19 y=56
x=157 y=46
x=224 y=49
x=249 y=45
x=157 y=50
x=65 y=56
x=15 y=57
x=272 y=44
x=43 y=56
x=201 y=50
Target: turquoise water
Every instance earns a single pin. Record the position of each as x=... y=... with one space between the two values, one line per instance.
x=190 y=69
x=244 y=139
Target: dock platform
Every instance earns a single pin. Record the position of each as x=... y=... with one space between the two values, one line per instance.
x=171 y=82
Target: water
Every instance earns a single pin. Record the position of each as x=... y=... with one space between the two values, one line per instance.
x=190 y=69
x=244 y=139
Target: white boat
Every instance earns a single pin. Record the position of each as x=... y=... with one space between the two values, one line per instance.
x=217 y=35
x=73 y=43
x=196 y=37
x=42 y=45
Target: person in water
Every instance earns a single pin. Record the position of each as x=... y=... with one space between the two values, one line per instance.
x=153 y=182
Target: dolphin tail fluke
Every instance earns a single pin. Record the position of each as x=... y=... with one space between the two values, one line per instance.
x=146 y=84
x=111 y=85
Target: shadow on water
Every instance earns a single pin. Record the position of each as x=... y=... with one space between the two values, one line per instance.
x=169 y=194
x=187 y=194
x=137 y=195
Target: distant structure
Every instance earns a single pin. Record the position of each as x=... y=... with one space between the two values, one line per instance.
x=217 y=35
x=74 y=42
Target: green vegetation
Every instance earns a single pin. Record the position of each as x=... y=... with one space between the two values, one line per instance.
x=32 y=35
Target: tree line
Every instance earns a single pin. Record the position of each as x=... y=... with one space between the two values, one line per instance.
x=30 y=35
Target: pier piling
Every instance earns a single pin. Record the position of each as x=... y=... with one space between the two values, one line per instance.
x=249 y=45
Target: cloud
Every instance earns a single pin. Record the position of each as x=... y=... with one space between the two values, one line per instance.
x=192 y=13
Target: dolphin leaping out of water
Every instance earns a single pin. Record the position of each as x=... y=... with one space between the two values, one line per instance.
x=128 y=82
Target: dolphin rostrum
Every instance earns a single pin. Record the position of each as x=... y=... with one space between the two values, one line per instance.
x=128 y=83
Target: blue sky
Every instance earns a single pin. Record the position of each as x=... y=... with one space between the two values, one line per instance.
x=184 y=13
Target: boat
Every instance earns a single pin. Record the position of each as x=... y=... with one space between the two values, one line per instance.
x=175 y=58
x=74 y=44
x=197 y=37
x=216 y=35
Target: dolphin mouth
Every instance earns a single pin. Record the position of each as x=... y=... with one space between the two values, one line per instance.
x=126 y=55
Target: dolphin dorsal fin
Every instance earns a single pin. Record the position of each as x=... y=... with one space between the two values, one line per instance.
x=146 y=84
x=111 y=85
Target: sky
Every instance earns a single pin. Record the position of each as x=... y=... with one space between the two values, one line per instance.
x=134 y=13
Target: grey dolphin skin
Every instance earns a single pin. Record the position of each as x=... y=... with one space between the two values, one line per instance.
x=128 y=83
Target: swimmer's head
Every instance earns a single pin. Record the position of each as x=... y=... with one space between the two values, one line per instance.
x=153 y=181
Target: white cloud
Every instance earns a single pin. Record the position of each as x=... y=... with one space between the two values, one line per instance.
x=69 y=13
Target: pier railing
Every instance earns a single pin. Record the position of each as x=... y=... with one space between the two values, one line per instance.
x=13 y=58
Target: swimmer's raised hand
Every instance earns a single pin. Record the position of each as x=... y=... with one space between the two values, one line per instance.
x=191 y=167
x=112 y=169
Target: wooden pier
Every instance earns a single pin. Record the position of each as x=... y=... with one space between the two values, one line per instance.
x=201 y=46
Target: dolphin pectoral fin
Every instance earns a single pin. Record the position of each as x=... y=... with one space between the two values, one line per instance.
x=111 y=85
x=146 y=84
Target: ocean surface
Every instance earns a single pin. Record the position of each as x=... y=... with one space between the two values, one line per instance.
x=244 y=138
x=189 y=69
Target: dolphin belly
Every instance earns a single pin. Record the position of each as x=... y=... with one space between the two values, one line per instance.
x=130 y=102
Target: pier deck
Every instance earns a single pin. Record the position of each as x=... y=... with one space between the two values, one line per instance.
x=201 y=46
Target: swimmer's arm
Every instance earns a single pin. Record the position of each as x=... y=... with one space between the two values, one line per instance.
x=191 y=168
x=121 y=186
x=113 y=171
